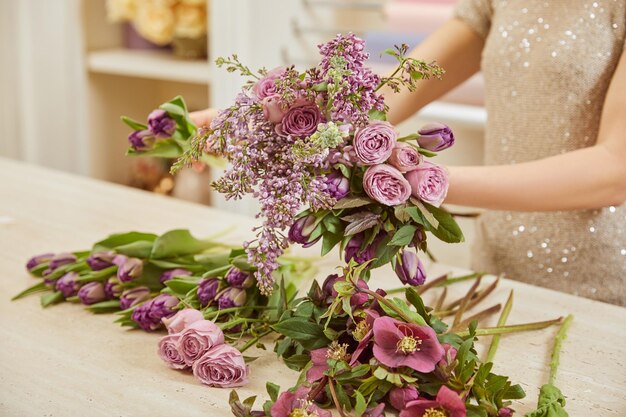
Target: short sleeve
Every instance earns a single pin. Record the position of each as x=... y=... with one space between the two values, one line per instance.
x=476 y=13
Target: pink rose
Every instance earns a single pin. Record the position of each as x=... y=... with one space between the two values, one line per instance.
x=373 y=144
x=386 y=185
x=405 y=157
x=300 y=121
x=181 y=320
x=429 y=183
x=222 y=366
x=168 y=351
x=198 y=338
x=273 y=109
x=266 y=86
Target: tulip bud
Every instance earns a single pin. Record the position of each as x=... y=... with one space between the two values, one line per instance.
x=67 y=284
x=91 y=293
x=207 y=290
x=409 y=268
x=231 y=297
x=353 y=248
x=149 y=315
x=35 y=261
x=178 y=272
x=435 y=137
x=59 y=260
x=337 y=185
x=100 y=260
x=239 y=279
x=134 y=296
x=113 y=288
x=300 y=231
x=161 y=124
x=129 y=268
x=141 y=139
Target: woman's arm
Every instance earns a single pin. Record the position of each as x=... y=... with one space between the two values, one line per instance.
x=583 y=179
x=457 y=49
x=203 y=118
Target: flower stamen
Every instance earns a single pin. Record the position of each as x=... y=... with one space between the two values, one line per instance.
x=409 y=344
x=338 y=352
x=431 y=412
x=361 y=330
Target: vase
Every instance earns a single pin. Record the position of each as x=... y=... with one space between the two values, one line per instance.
x=190 y=48
x=133 y=40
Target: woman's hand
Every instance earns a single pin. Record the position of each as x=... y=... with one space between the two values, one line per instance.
x=203 y=118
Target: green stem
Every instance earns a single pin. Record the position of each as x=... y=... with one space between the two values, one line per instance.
x=333 y=394
x=254 y=340
x=386 y=302
x=233 y=323
x=501 y=322
x=385 y=80
x=515 y=328
x=211 y=314
x=558 y=343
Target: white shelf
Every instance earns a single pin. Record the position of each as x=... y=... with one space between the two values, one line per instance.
x=159 y=65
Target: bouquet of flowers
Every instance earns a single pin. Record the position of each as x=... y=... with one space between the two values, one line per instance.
x=319 y=139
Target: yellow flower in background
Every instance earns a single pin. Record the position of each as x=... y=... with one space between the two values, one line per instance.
x=121 y=10
x=155 y=22
x=191 y=21
x=194 y=2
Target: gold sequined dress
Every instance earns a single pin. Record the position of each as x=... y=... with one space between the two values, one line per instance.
x=547 y=66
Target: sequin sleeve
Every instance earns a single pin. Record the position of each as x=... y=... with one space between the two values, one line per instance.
x=476 y=13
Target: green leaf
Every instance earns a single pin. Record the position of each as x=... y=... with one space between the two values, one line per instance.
x=407 y=138
x=178 y=243
x=448 y=229
x=404 y=235
x=360 y=404
x=377 y=115
x=352 y=202
x=113 y=241
x=384 y=253
x=104 y=306
x=413 y=297
x=51 y=298
x=138 y=249
x=273 y=390
x=551 y=403
x=426 y=152
x=163 y=148
x=402 y=306
x=309 y=335
x=320 y=87
x=476 y=411
x=181 y=286
x=297 y=362
x=133 y=124
x=514 y=392
x=40 y=286
x=329 y=241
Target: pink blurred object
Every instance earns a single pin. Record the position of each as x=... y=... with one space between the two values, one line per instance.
x=133 y=40
x=471 y=92
x=417 y=17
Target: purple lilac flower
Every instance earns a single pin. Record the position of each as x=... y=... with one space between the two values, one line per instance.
x=67 y=284
x=134 y=296
x=148 y=315
x=337 y=185
x=91 y=293
x=161 y=124
x=177 y=272
x=238 y=278
x=100 y=260
x=207 y=290
x=35 y=261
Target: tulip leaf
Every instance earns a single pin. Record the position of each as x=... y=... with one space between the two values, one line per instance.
x=178 y=243
x=40 y=286
x=404 y=235
x=133 y=124
x=113 y=241
x=51 y=298
x=137 y=249
x=104 y=306
x=163 y=148
x=448 y=229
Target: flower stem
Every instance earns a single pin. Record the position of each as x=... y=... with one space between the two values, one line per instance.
x=212 y=314
x=254 y=340
x=556 y=351
x=386 y=302
x=514 y=328
x=333 y=393
x=318 y=388
x=501 y=322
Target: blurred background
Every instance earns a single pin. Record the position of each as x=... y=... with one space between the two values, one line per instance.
x=70 y=68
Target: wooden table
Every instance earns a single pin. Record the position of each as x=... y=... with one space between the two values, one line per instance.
x=64 y=361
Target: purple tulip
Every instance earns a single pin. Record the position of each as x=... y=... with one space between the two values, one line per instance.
x=59 y=260
x=353 y=248
x=100 y=260
x=141 y=139
x=231 y=297
x=134 y=296
x=409 y=268
x=178 y=272
x=300 y=231
x=238 y=278
x=161 y=124
x=129 y=268
x=207 y=290
x=91 y=293
x=435 y=137
x=67 y=284
x=328 y=290
x=337 y=185
x=148 y=315
x=112 y=288
x=35 y=261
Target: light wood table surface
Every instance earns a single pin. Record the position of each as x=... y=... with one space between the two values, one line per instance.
x=65 y=362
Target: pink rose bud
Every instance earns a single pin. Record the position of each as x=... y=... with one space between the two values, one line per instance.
x=168 y=351
x=405 y=157
x=273 y=109
x=435 y=137
x=222 y=366
x=374 y=143
x=197 y=338
x=181 y=320
x=385 y=184
x=429 y=183
x=91 y=293
x=266 y=86
x=398 y=397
